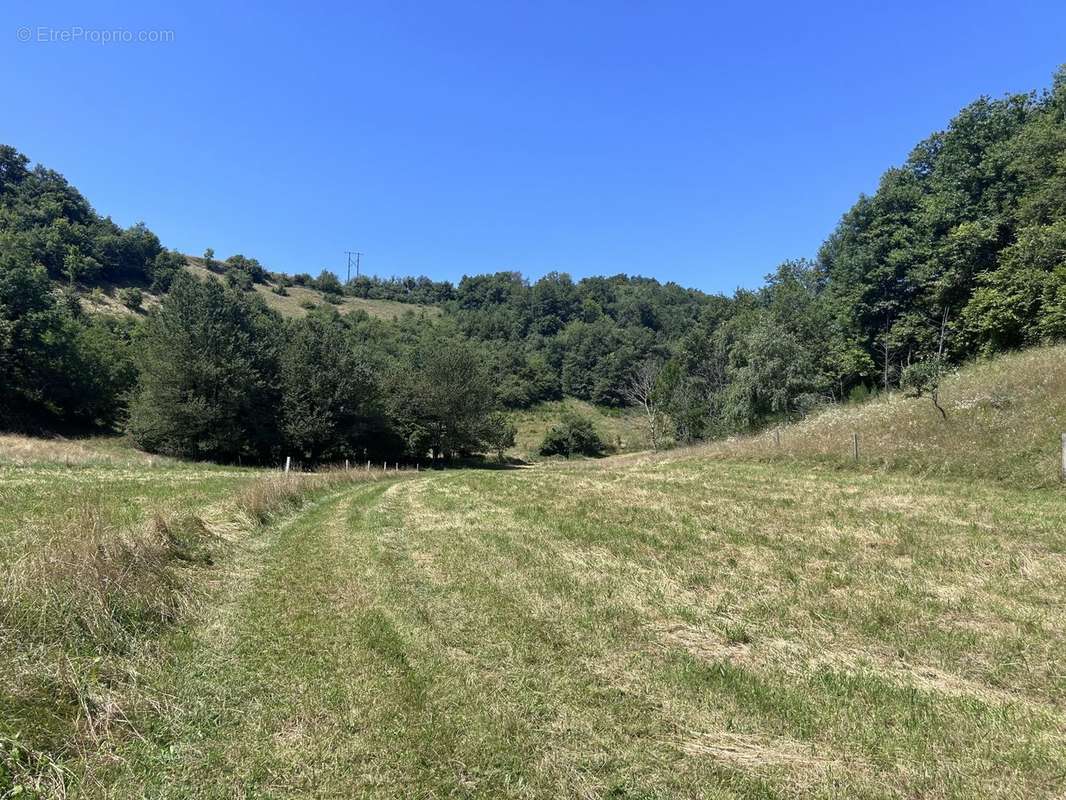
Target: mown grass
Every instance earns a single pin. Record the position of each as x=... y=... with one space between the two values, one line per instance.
x=103 y=557
x=689 y=628
x=1005 y=419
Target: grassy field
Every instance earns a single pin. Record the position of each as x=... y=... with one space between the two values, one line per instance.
x=693 y=628
x=104 y=552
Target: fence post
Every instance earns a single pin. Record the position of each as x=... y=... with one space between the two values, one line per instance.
x=368 y=466
x=777 y=437
x=855 y=445
x=346 y=467
x=288 y=462
x=1064 y=456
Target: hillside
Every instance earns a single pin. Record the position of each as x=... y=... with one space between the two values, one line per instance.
x=1005 y=418
x=620 y=429
x=296 y=301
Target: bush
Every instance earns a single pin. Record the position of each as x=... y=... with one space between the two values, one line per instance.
x=328 y=283
x=131 y=297
x=573 y=434
x=332 y=298
x=280 y=290
x=239 y=279
x=308 y=304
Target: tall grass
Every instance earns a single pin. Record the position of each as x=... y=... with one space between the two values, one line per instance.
x=1005 y=418
x=84 y=611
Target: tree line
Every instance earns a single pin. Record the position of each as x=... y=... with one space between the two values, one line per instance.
x=960 y=253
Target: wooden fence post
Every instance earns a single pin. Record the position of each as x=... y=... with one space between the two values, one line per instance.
x=288 y=462
x=368 y=466
x=346 y=467
x=777 y=437
x=1064 y=456
x=855 y=445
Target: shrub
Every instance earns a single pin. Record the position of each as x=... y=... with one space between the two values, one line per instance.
x=334 y=299
x=573 y=434
x=308 y=304
x=239 y=279
x=131 y=297
x=328 y=283
x=280 y=290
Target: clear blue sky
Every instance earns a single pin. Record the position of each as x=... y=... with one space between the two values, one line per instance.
x=696 y=142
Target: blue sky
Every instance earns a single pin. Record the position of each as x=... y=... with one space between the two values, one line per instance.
x=696 y=142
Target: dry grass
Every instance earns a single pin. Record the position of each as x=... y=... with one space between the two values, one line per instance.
x=22 y=451
x=1005 y=420
x=292 y=303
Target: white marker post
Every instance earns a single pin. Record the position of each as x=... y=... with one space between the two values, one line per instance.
x=288 y=462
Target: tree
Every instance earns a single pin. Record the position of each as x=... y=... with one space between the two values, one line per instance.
x=56 y=367
x=643 y=390
x=923 y=377
x=329 y=392
x=500 y=433
x=328 y=283
x=208 y=376
x=442 y=396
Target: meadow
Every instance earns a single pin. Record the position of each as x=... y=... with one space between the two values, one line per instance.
x=744 y=619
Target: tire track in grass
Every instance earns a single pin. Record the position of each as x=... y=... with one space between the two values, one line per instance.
x=257 y=702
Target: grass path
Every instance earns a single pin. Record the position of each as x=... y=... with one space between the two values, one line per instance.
x=629 y=633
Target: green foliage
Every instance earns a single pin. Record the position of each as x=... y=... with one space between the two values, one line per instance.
x=923 y=378
x=442 y=396
x=239 y=279
x=131 y=297
x=499 y=434
x=960 y=252
x=328 y=413
x=208 y=366
x=328 y=283
x=246 y=266
x=573 y=435
x=56 y=367
x=50 y=223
